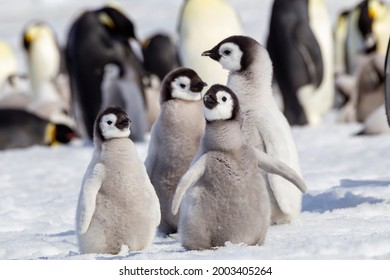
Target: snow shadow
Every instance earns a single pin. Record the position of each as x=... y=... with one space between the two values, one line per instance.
x=62 y=234
x=117 y=257
x=341 y=197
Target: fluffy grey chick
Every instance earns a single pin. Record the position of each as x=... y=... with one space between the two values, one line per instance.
x=223 y=196
x=117 y=204
x=175 y=138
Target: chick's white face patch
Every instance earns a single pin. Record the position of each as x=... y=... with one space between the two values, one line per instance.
x=230 y=56
x=109 y=130
x=181 y=89
x=223 y=110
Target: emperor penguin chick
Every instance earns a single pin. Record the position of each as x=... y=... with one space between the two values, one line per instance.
x=175 y=138
x=117 y=204
x=264 y=126
x=223 y=196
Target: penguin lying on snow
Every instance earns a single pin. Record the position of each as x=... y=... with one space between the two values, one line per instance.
x=117 y=204
x=263 y=125
x=223 y=196
x=18 y=96
x=175 y=138
x=20 y=129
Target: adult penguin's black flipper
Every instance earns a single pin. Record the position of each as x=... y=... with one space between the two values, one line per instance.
x=310 y=51
x=387 y=83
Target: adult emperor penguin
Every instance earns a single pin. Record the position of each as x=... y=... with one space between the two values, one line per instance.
x=96 y=38
x=202 y=24
x=359 y=39
x=300 y=45
x=117 y=203
x=264 y=126
x=368 y=28
x=175 y=138
x=21 y=129
x=43 y=60
x=223 y=196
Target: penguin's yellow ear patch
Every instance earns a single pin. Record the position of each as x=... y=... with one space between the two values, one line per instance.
x=106 y=20
x=145 y=43
x=376 y=9
x=371 y=12
x=50 y=135
x=31 y=34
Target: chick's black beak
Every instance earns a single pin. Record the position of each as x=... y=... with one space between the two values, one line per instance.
x=213 y=54
x=198 y=87
x=209 y=101
x=123 y=123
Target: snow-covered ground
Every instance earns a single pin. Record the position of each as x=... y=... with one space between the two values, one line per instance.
x=346 y=212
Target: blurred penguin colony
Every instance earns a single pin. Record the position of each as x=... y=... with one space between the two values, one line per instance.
x=318 y=66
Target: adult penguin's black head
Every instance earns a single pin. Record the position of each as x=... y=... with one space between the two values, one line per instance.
x=116 y=22
x=366 y=19
x=36 y=30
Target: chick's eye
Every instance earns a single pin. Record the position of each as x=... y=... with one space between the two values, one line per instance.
x=182 y=85
x=109 y=122
x=224 y=99
x=226 y=52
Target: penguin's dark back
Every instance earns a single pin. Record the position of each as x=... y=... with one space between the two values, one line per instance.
x=19 y=128
x=160 y=55
x=10 y=117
